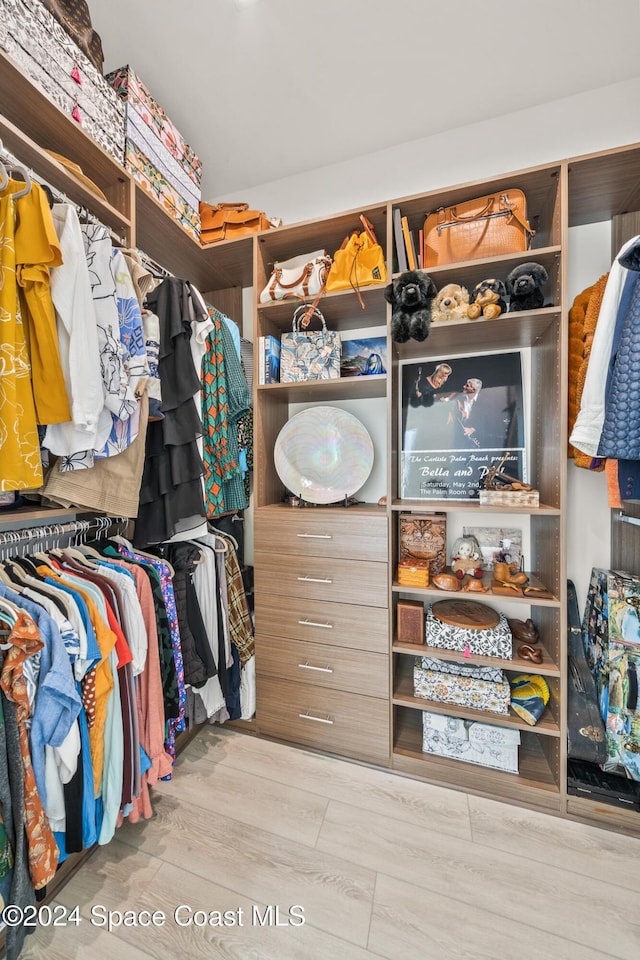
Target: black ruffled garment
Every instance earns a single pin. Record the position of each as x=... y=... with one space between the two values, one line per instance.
x=171 y=494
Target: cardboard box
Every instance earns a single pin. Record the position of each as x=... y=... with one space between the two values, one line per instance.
x=423 y=536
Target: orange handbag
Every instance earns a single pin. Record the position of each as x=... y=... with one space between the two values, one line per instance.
x=490 y=226
x=226 y=221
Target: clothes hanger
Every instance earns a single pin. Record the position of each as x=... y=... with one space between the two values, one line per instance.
x=14 y=167
x=4 y=176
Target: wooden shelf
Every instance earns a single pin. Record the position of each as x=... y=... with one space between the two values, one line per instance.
x=328 y=233
x=509 y=331
x=216 y=267
x=341 y=310
x=604 y=185
x=438 y=506
x=40 y=120
x=535 y=783
x=403 y=697
x=344 y=388
x=24 y=517
x=434 y=593
x=470 y=272
x=546 y=669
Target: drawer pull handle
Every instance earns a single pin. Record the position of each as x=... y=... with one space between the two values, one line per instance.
x=308 y=716
x=316 y=536
x=308 y=666
x=312 y=623
x=315 y=579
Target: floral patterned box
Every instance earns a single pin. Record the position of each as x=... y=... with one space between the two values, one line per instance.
x=442 y=743
x=37 y=43
x=447 y=685
x=151 y=132
x=151 y=180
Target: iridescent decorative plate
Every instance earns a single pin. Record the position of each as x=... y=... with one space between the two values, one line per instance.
x=323 y=454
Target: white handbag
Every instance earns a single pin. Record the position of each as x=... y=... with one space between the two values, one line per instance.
x=299 y=277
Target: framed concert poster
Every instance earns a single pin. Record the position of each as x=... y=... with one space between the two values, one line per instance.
x=459 y=417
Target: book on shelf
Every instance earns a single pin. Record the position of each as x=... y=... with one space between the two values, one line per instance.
x=401 y=253
x=421 y=249
x=269 y=359
x=409 y=244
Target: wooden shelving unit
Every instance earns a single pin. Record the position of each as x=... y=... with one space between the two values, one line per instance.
x=566 y=193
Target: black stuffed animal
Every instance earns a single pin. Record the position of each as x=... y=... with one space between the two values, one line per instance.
x=410 y=295
x=487 y=300
x=524 y=286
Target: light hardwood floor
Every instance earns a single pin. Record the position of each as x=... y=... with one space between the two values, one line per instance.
x=382 y=866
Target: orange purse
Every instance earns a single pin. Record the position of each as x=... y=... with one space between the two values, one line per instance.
x=490 y=226
x=226 y=221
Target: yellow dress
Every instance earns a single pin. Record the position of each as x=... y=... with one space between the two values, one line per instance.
x=20 y=466
x=37 y=250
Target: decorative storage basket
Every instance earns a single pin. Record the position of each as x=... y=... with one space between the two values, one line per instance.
x=470 y=741
x=156 y=153
x=490 y=642
x=34 y=39
x=480 y=688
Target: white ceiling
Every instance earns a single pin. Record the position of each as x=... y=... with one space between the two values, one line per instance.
x=263 y=89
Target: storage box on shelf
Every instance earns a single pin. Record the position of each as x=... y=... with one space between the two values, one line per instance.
x=34 y=39
x=156 y=153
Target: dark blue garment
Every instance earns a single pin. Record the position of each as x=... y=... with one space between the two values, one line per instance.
x=620 y=438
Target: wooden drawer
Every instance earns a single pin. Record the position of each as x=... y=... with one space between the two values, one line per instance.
x=320 y=578
x=337 y=668
x=331 y=534
x=344 y=723
x=337 y=624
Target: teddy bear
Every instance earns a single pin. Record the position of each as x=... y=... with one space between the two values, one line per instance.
x=410 y=296
x=524 y=286
x=487 y=300
x=451 y=303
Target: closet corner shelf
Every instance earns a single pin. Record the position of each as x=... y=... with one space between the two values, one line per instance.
x=509 y=331
x=218 y=266
x=340 y=308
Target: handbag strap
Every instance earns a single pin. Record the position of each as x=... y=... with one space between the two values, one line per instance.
x=308 y=312
x=368 y=227
x=302 y=280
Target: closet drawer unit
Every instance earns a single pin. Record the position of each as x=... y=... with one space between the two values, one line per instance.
x=318 y=578
x=344 y=723
x=337 y=624
x=303 y=532
x=337 y=668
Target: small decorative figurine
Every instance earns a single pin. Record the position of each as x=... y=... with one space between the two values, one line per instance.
x=466 y=557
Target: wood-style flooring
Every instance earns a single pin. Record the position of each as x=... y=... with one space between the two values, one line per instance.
x=381 y=865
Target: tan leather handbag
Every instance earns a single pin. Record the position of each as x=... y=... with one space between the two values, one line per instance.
x=487 y=227
x=226 y=221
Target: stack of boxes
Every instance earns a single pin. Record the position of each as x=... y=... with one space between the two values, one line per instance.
x=54 y=63
x=156 y=154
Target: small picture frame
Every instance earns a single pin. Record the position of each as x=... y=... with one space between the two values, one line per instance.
x=363 y=358
x=498 y=544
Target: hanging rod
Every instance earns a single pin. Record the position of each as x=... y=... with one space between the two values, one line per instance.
x=60 y=196
x=623 y=518
x=149 y=262
x=34 y=538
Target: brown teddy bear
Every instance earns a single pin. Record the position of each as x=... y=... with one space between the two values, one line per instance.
x=451 y=303
x=487 y=300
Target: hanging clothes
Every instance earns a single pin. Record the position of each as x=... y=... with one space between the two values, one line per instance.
x=37 y=250
x=20 y=465
x=171 y=495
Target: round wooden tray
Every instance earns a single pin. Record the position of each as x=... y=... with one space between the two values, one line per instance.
x=465 y=613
